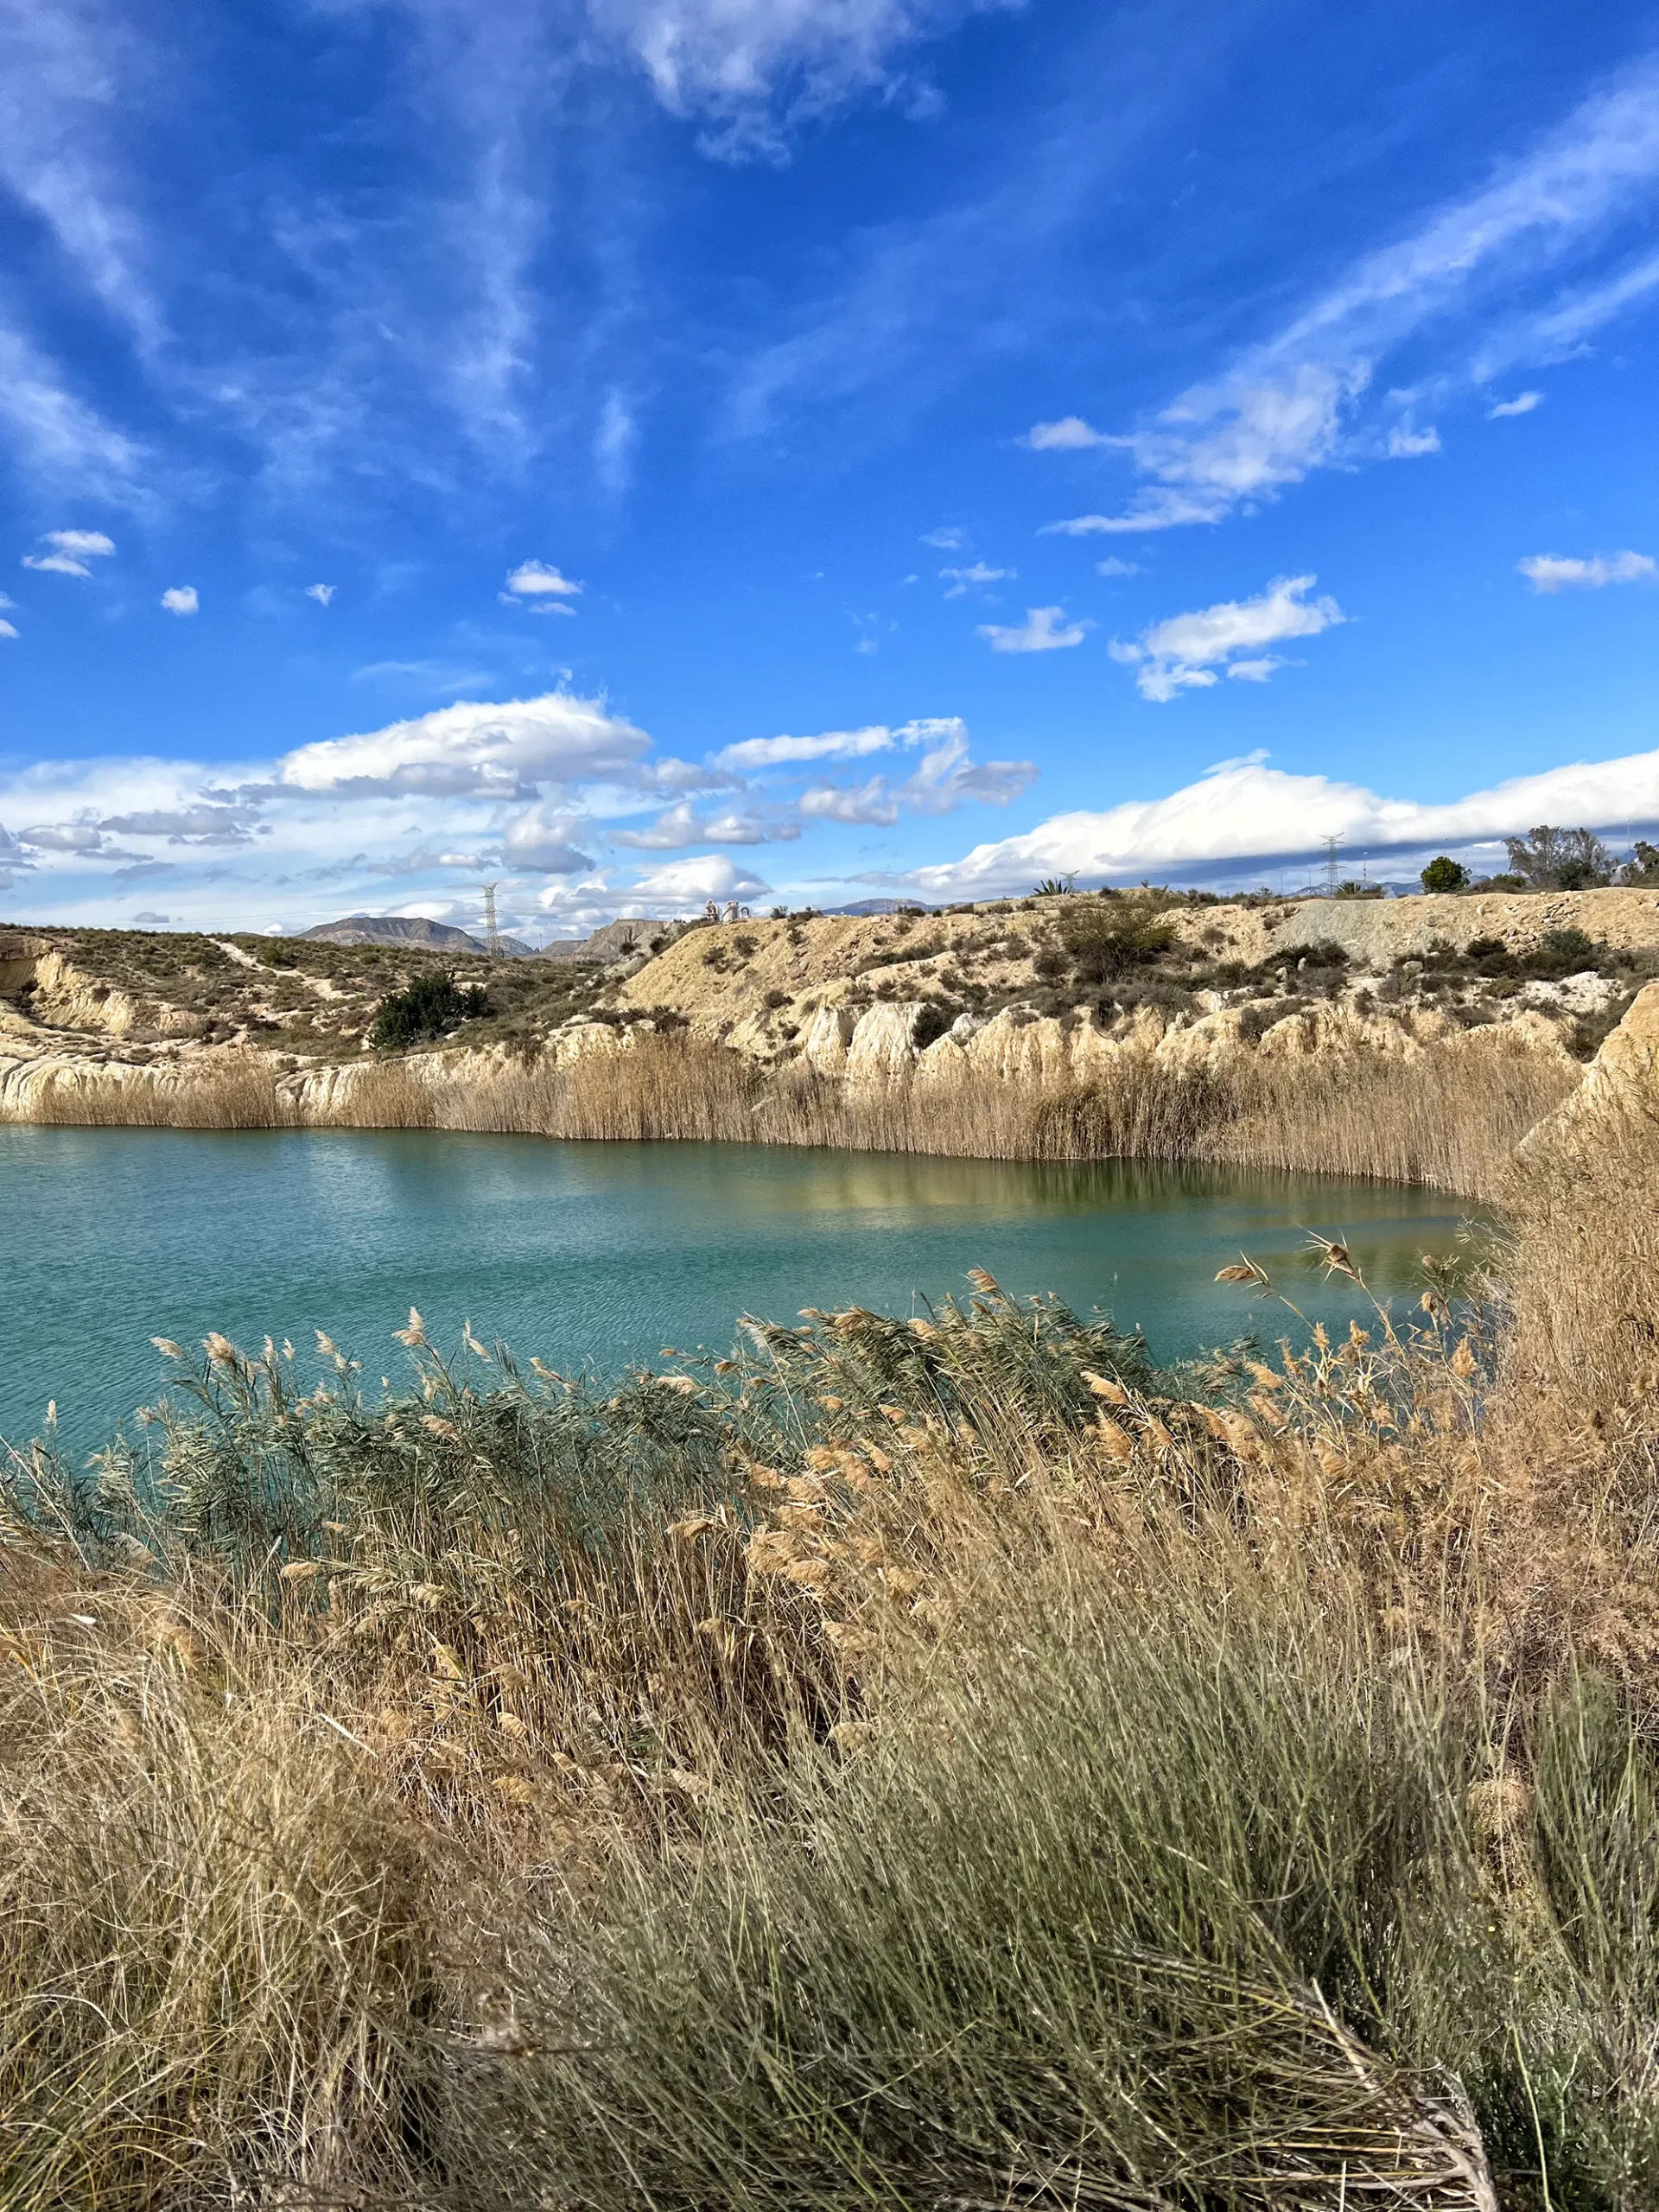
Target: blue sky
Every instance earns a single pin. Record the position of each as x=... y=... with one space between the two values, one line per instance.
x=641 y=450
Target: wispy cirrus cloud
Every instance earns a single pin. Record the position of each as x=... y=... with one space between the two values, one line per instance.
x=757 y=753
x=752 y=71
x=1289 y=405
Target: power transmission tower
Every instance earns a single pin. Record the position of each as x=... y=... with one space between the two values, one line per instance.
x=1331 y=878
x=492 y=934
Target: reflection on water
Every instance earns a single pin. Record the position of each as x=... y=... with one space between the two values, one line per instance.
x=604 y=1253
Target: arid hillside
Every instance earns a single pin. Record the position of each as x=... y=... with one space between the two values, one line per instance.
x=1417 y=1038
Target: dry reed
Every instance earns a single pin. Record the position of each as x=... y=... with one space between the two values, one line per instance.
x=1450 y=1116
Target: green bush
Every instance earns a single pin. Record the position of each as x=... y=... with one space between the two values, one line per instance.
x=1443 y=873
x=432 y=1005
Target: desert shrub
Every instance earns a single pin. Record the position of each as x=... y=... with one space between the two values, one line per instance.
x=1107 y=941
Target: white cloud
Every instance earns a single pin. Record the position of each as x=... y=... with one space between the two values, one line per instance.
x=472 y=747
x=685 y=884
x=1071 y=434
x=71 y=551
x=1045 y=630
x=540 y=841
x=613 y=444
x=752 y=752
x=976 y=577
x=944 y=541
x=755 y=68
x=8 y=629
x=1111 y=566
x=181 y=599
x=943 y=779
x=1182 y=654
x=684 y=825
x=1254 y=671
x=1407 y=444
x=1244 y=812
x=1522 y=403
x=321 y=593
x=1548 y=572
x=1285 y=407
x=62 y=440
x=541 y=587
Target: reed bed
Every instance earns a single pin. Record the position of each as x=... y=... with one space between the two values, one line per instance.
x=946 y=1763
x=1450 y=1117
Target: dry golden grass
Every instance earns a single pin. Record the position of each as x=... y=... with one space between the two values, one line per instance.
x=515 y=1796
x=1450 y=1116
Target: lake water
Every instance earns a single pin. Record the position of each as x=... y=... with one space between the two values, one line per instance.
x=600 y=1254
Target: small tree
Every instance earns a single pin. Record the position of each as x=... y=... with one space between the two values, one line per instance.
x=1443 y=873
x=1560 y=859
x=1642 y=866
x=431 y=1005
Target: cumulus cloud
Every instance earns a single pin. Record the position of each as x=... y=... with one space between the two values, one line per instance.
x=688 y=883
x=1045 y=630
x=974 y=578
x=1244 y=811
x=8 y=629
x=181 y=599
x=321 y=593
x=1184 y=652
x=944 y=541
x=944 y=779
x=685 y=824
x=1522 y=403
x=1548 y=572
x=1288 y=406
x=69 y=552
x=1112 y=566
x=539 y=842
x=1070 y=434
x=535 y=585
x=1407 y=444
x=501 y=750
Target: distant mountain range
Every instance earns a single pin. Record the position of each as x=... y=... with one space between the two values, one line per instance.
x=884 y=907
x=615 y=941
x=411 y=929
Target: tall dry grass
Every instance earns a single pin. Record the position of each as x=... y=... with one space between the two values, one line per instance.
x=1450 y=1117
x=929 y=1762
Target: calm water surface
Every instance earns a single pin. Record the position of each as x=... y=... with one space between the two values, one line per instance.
x=599 y=1254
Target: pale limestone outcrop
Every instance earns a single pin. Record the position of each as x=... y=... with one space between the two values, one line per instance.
x=825 y=1037
x=586 y=1040
x=1622 y=1084
x=883 y=1042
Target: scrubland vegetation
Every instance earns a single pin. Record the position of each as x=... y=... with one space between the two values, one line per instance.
x=947 y=1764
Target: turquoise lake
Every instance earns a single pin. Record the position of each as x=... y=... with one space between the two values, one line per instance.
x=596 y=1254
